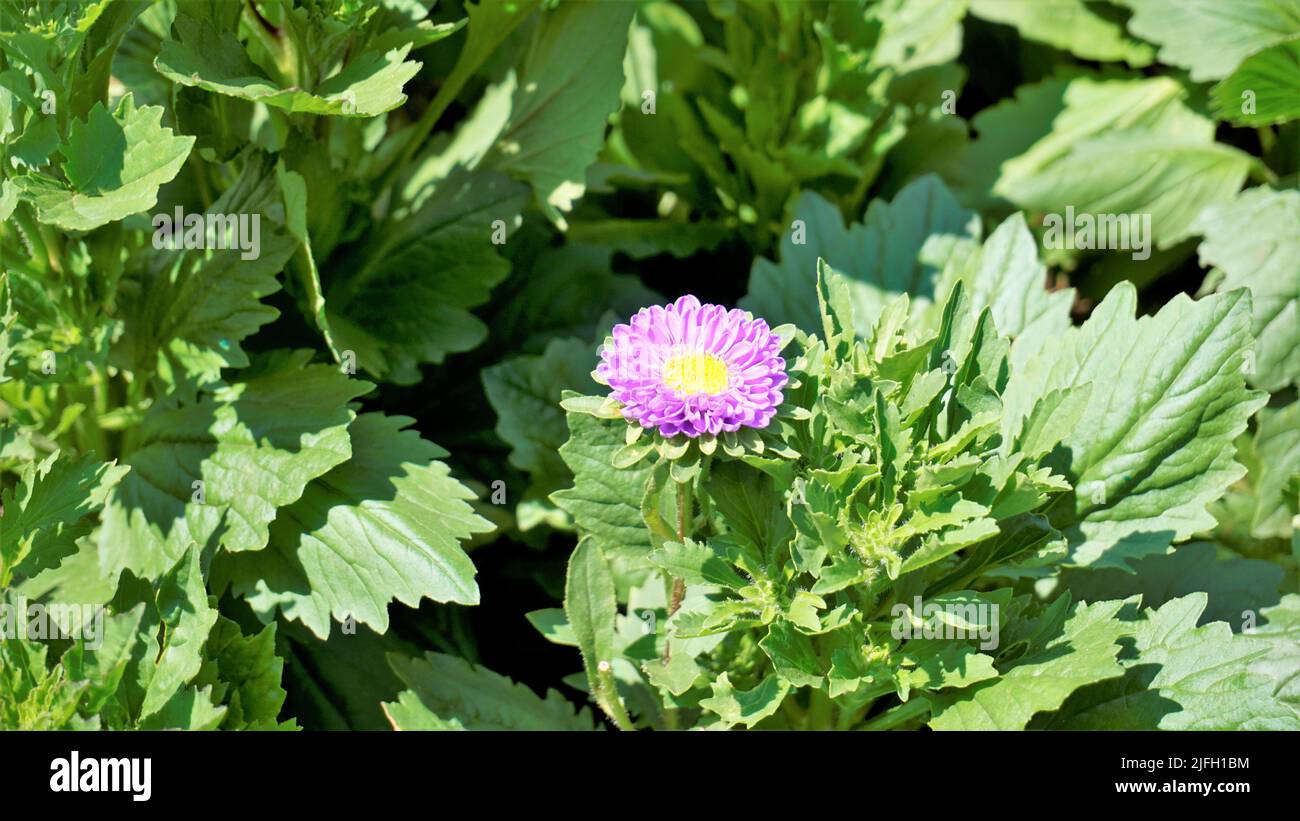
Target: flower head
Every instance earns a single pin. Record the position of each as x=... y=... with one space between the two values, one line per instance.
x=694 y=369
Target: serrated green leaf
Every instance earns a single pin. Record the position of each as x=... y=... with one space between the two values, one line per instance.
x=194 y=307
x=747 y=707
x=750 y=505
x=1232 y=586
x=880 y=256
x=1252 y=240
x=247 y=671
x=605 y=502
x=1082 y=142
x=1262 y=90
x=254 y=446
x=940 y=664
x=449 y=693
x=1154 y=445
x=385 y=525
x=38 y=517
x=525 y=393
x=406 y=298
x=1278 y=628
x=567 y=89
x=114 y=164
x=1208 y=37
x=1184 y=677
x=201 y=55
x=918 y=33
x=696 y=563
x=187 y=618
x=190 y=709
x=1277 y=444
x=1067 y=24
x=1082 y=653
x=104 y=666
x=1006 y=275
x=792 y=655
x=678 y=676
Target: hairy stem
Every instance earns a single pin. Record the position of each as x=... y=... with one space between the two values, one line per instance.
x=683 y=503
x=684 y=518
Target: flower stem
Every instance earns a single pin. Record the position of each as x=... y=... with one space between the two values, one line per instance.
x=820 y=711
x=684 y=517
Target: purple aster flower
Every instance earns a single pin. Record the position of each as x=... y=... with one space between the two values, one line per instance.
x=694 y=369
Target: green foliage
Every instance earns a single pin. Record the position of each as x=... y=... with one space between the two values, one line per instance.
x=448 y=693
x=113 y=165
x=1029 y=470
x=216 y=368
x=932 y=458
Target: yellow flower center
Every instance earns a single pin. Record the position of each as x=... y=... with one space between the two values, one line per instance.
x=694 y=373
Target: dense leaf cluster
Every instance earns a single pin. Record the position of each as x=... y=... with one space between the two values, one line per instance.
x=1086 y=460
